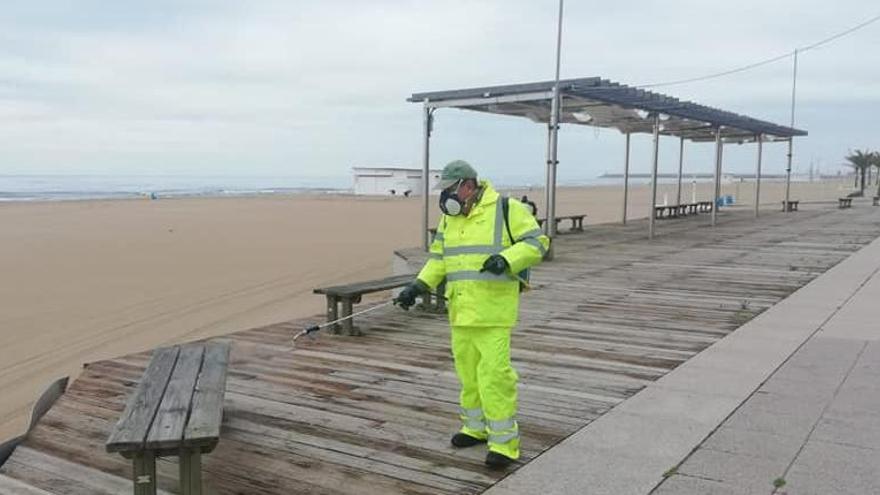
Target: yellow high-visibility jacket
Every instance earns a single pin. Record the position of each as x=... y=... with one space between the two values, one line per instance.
x=460 y=248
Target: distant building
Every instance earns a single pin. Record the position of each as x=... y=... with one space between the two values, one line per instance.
x=391 y=181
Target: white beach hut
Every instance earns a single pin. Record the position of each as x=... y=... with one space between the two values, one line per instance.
x=391 y=181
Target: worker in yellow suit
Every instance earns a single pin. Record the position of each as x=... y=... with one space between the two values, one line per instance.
x=483 y=242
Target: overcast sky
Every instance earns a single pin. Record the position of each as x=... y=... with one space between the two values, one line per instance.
x=312 y=88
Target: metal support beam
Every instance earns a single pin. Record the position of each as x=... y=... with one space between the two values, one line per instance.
x=680 y=169
x=625 y=178
x=760 y=140
x=428 y=118
x=654 y=160
x=491 y=100
x=718 y=150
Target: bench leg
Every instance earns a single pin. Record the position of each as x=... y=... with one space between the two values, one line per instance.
x=333 y=312
x=190 y=471
x=144 y=473
x=347 y=325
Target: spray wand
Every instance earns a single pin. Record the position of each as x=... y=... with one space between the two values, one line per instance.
x=315 y=328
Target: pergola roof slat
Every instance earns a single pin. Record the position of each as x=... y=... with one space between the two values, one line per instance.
x=614 y=105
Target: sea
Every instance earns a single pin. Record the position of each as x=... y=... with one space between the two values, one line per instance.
x=85 y=187
x=82 y=187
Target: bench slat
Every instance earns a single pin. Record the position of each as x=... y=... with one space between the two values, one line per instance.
x=134 y=424
x=203 y=428
x=358 y=288
x=168 y=427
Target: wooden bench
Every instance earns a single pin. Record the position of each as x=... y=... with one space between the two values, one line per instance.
x=844 y=203
x=176 y=410
x=792 y=206
x=666 y=211
x=684 y=209
x=350 y=294
x=577 y=222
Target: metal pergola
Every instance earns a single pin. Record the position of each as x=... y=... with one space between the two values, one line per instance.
x=598 y=102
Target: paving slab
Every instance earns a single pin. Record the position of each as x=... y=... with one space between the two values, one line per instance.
x=828 y=468
x=759 y=418
x=688 y=485
x=752 y=474
x=755 y=444
x=858 y=429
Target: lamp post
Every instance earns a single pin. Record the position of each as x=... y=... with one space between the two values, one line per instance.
x=791 y=138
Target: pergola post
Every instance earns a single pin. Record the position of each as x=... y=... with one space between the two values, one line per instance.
x=788 y=175
x=625 y=178
x=654 y=160
x=760 y=139
x=680 y=170
x=718 y=151
x=550 y=191
x=428 y=118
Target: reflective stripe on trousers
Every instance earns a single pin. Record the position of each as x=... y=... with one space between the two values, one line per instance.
x=472 y=418
x=503 y=431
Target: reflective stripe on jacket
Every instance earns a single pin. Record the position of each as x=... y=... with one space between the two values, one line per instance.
x=460 y=248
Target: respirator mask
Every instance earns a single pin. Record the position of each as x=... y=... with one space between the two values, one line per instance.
x=450 y=203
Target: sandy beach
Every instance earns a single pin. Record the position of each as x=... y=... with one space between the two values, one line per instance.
x=89 y=280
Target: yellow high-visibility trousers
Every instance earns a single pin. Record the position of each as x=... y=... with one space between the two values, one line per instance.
x=488 y=386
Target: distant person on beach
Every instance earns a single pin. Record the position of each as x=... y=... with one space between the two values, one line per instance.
x=482 y=241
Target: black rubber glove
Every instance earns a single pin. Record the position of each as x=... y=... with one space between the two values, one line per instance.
x=495 y=264
x=407 y=296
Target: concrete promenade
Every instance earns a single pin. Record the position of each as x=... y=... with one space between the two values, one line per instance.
x=787 y=404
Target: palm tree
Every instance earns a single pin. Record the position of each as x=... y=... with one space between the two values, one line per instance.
x=860 y=161
x=875 y=161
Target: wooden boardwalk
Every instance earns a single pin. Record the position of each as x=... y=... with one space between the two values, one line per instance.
x=373 y=414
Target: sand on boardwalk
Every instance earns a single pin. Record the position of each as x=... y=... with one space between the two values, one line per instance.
x=83 y=281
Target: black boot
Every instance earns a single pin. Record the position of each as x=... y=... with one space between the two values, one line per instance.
x=462 y=440
x=497 y=461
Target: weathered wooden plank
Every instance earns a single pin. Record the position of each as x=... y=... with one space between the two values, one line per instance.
x=134 y=425
x=203 y=428
x=60 y=476
x=443 y=476
x=168 y=427
x=12 y=486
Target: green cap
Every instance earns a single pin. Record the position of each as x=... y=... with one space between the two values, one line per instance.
x=455 y=171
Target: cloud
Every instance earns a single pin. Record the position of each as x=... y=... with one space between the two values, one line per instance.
x=313 y=88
